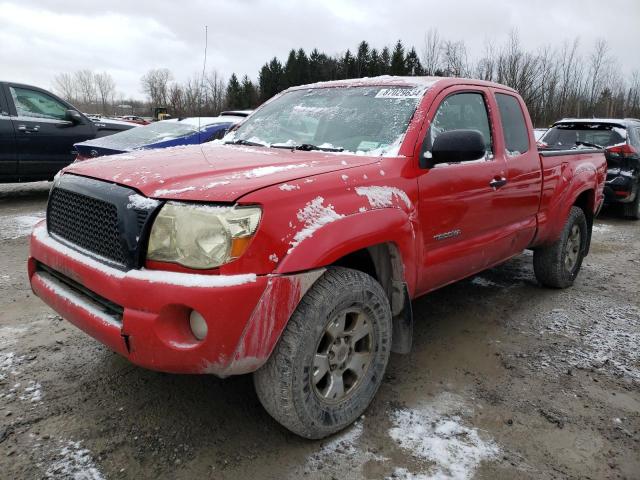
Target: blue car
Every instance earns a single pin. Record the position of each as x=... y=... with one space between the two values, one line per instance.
x=167 y=133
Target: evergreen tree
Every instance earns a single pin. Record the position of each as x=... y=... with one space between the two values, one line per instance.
x=291 y=72
x=385 y=61
x=398 y=65
x=363 y=59
x=347 y=66
x=233 y=97
x=249 y=94
x=412 y=63
x=265 y=82
x=279 y=82
x=303 y=67
x=375 y=63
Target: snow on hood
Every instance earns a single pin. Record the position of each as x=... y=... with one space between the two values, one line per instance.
x=212 y=172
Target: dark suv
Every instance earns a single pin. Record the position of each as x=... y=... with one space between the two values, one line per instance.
x=621 y=140
x=38 y=130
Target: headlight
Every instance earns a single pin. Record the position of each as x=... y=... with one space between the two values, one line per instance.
x=199 y=236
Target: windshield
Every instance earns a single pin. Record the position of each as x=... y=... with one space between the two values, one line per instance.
x=370 y=120
x=145 y=135
x=566 y=136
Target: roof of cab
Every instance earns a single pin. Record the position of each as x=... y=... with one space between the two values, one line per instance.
x=402 y=81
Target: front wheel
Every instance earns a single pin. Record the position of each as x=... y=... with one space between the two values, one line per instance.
x=331 y=357
x=558 y=264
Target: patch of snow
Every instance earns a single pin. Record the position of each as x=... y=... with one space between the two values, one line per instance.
x=175 y=191
x=191 y=279
x=483 y=282
x=215 y=184
x=274 y=258
x=362 y=209
x=436 y=434
x=314 y=216
x=340 y=449
x=344 y=177
x=270 y=170
x=32 y=393
x=8 y=334
x=382 y=173
x=601 y=228
x=17 y=226
x=606 y=339
x=142 y=203
x=382 y=196
x=285 y=187
x=74 y=462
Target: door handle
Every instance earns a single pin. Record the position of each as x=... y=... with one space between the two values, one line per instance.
x=498 y=182
x=25 y=129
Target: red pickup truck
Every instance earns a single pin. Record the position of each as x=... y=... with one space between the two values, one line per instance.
x=293 y=248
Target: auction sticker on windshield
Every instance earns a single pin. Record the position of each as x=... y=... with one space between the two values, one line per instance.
x=415 y=92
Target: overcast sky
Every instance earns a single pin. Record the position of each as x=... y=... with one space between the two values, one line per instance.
x=126 y=38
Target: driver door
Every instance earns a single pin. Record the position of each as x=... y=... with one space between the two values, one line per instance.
x=44 y=135
x=458 y=201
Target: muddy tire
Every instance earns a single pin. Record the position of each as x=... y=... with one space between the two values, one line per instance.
x=558 y=264
x=632 y=210
x=331 y=357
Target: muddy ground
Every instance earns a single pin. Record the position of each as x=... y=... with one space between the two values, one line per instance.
x=506 y=380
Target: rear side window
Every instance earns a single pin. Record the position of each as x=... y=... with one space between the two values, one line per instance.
x=514 y=127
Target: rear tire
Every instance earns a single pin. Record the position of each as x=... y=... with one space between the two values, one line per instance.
x=331 y=357
x=632 y=210
x=557 y=265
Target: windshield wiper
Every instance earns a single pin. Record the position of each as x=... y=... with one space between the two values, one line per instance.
x=242 y=141
x=307 y=147
x=587 y=144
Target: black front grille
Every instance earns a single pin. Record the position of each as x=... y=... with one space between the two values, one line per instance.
x=98 y=218
x=87 y=222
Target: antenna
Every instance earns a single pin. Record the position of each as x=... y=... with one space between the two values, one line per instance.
x=204 y=67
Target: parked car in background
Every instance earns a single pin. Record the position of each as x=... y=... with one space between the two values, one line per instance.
x=621 y=140
x=38 y=130
x=293 y=248
x=539 y=132
x=134 y=119
x=238 y=113
x=166 y=133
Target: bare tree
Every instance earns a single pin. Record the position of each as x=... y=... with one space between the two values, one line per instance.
x=155 y=84
x=431 y=52
x=215 y=88
x=454 y=59
x=106 y=87
x=86 y=87
x=65 y=86
x=599 y=64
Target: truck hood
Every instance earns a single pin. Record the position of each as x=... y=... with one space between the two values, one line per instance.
x=213 y=172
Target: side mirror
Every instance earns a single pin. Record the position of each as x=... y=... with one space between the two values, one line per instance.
x=74 y=116
x=455 y=146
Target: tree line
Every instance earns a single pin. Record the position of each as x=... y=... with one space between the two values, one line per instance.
x=555 y=82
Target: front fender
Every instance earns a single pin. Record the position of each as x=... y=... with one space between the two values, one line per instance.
x=355 y=232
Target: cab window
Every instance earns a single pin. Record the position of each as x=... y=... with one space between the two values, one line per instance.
x=514 y=127
x=31 y=103
x=462 y=111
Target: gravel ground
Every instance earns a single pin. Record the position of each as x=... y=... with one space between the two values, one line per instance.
x=506 y=380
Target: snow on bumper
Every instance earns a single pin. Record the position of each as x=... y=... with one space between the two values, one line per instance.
x=245 y=314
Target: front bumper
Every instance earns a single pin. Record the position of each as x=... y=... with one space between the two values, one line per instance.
x=144 y=314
